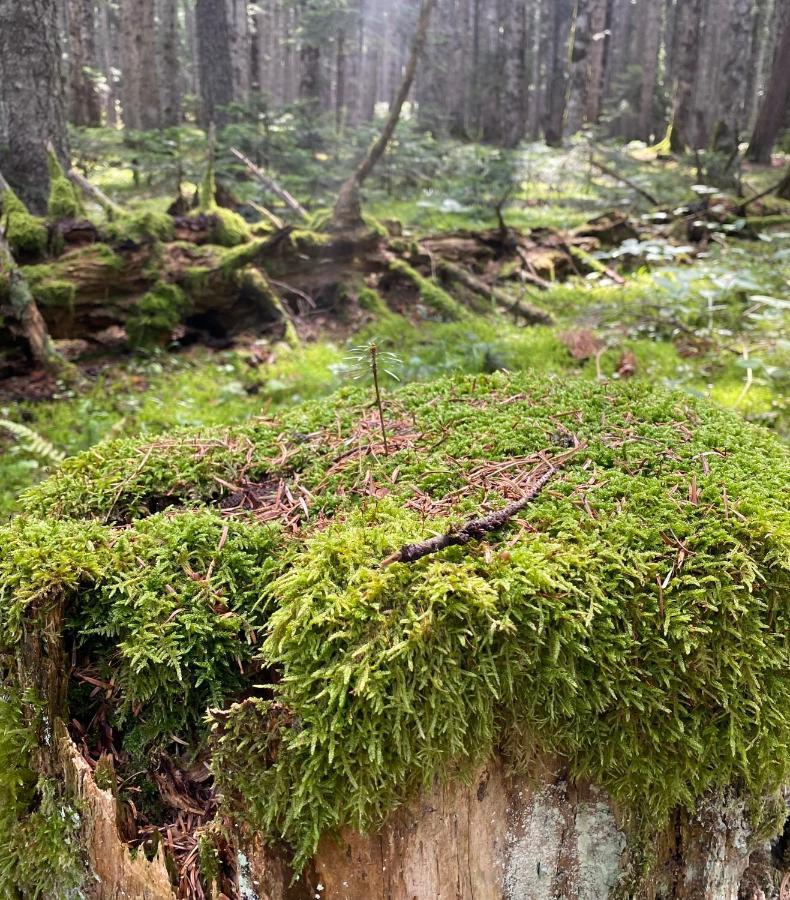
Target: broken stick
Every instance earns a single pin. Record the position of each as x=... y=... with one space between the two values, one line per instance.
x=477 y=529
x=623 y=180
x=268 y=182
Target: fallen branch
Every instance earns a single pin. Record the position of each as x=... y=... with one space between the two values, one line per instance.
x=25 y=310
x=477 y=529
x=779 y=188
x=90 y=190
x=268 y=182
x=530 y=274
x=623 y=180
x=526 y=311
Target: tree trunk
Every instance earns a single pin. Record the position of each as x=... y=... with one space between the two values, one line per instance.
x=347 y=213
x=560 y=23
x=595 y=60
x=777 y=95
x=106 y=56
x=650 y=47
x=170 y=67
x=239 y=49
x=31 y=97
x=214 y=56
x=130 y=66
x=687 y=26
x=83 y=59
x=150 y=113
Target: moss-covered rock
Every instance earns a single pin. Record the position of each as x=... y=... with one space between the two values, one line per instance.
x=26 y=234
x=633 y=619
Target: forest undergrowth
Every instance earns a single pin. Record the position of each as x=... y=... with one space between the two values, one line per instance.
x=710 y=318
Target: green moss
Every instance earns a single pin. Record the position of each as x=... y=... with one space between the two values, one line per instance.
x=26 y=234
x=229 y=229
x=145 y=225
x=434 y=297
x=156 y=314
x=373 y=302
x=635 y=625
x=55 y=293
x=304 y=239
x=39 y=848
x=64 y=202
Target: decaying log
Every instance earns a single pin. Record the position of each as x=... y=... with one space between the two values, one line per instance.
x=26 y=312
x=270 y=184
x=520 y=308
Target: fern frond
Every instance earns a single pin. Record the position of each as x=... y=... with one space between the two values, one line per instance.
x=33 y=442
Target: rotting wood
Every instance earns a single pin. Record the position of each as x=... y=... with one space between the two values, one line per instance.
x=476 y=529
x=523 y=310
x=25 y=309
x=268 y=182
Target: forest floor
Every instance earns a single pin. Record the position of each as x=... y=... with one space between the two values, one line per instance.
x=712 y=318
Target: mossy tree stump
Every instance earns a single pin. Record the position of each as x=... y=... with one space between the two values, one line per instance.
x=597 y=692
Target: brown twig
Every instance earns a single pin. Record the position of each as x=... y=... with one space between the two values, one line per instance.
x=476 y=529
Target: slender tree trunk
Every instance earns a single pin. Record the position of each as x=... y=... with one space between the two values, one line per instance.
x=579 y=66
x=595 y=58
x=85 y=104
x=650 y=47
x=340 y=81
x=763 y=15
x=239 y=49
x=560 y=27
x=31 y=97
x=686 y=65
x=214 y=59
x=777 y=96
x=105 y=44
x=514 y=41
x=347 y=213
x=130 y=65
x=170 y=67
x=150 y=112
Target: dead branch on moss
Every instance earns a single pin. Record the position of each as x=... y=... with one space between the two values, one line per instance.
x=477 y=529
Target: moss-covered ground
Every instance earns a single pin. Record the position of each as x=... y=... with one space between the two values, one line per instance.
x=214 y=539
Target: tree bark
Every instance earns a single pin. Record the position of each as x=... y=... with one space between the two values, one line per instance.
x=347 y=213
x=687 y=26
x=31 y=97
x=131 y=85
x=595 y=60
x=150 y=112
x=106 y=56
x=170 y=64
x=560 y=25
x=83 y=59
x=650 y=46
x=777 y=96
x=215 y=64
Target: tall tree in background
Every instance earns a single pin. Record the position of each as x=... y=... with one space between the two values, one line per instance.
x=215 y=64
x=170 y=52
x=130 y=65
x=650 y=41
x=31 y=97
x=595 y=60
x=559 y=23
x=777 y=94
x=150 y=113
x=83 y=59
x=687 y=29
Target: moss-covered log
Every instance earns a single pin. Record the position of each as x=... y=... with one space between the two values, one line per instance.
x=209 y=616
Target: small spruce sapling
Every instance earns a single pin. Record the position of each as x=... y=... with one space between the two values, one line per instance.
x=369 y=360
